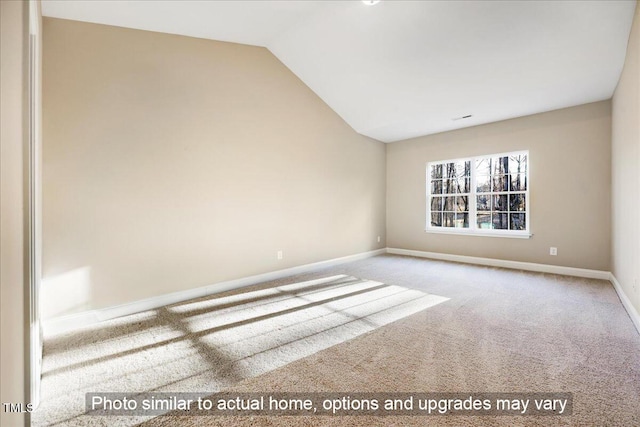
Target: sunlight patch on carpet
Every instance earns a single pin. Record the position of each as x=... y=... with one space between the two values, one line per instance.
x=208 y=344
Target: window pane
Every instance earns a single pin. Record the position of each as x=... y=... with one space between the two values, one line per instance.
x=484 y=220
x=436 y=219
x=500 y=165
x=450 y=186
x=450 y=204
x=450 y=170
x=436 y=204
x=518 y=182
x=436 y=171
x=518 y=163
x=483 y=184
x=500 y=203
x=500 y=183
x=518 y=221
x=464 y=185
x=483 y=166
x=517 y=202
x=500 y=221
x=483 y=203
x=462 y=220
x=463 y=168
x=448 y=219
x=436 y=187
x=462 y=203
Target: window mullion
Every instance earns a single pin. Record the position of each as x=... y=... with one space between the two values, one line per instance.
x=428 y=193
x=472 y=206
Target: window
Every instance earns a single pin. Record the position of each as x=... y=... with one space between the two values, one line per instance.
x=487 y=195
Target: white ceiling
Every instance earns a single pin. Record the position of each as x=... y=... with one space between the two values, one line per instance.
x=402 y=69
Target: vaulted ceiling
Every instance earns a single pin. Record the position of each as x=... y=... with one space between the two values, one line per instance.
x=401 y=69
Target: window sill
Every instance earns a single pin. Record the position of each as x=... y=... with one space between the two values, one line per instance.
x=478 y=233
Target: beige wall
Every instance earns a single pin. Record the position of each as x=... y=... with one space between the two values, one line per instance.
x=626 y=171
x=13 y=139
x=570 y=169
x=173 y=162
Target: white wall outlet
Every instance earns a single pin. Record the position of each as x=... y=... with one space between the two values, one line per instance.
x=378 y=239
x=553 y=251
x=279 y=254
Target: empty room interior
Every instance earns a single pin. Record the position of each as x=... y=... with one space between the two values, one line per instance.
x=368 y=212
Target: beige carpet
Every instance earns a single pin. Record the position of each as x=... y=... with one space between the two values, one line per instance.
x=454 y=328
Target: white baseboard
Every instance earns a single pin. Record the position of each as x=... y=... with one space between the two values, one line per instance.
x=74 y=321
x=516 y=265
x=633 y=313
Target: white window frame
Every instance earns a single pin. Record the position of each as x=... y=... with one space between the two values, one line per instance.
x=473 y=229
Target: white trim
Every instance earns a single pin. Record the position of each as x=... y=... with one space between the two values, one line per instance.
x=517 y=265
x=74 y=321
x=34 y=17
x=34 y=201
x=631 y=310
x=469 y=232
